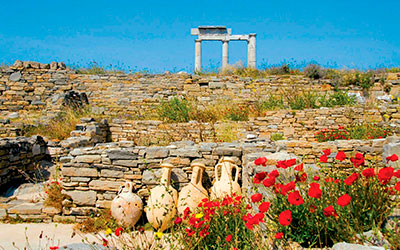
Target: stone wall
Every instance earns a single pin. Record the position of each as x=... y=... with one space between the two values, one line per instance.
x=296 y=125
x=92 y=175
x=28 y=86
x=18 y=157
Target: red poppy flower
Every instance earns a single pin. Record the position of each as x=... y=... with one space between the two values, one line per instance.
x=344 y=200
x=105 y=242
x=256 y=197
x=369 y=172
x=397 y=173
x=315 y=191
x=351 y=179
x=118 y=231
x=274 y=173
x=340 y=156
x=301 y=178
x=54 y=248
x=358 y=160
x=279 y=235
x=329 y=179
x=330 y=211
x=261 y=161
x=327 y=151
x=264 y=206
x=288 y=187
x=312 y=209
x=270 y=181
x=178 y=220
x=228 y=238
x=285 y=163
x=316 y=178
x=299 y=167
x=259 y=177
x=393 y=157
x=397 y=187
x=323 y=158
x=285 y=218
x=295 y=198
x=189 y=232
x=385 y=174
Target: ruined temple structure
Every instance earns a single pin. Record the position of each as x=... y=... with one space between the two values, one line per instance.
x=223 y=34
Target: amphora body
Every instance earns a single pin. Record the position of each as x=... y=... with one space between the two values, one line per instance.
x=192 y=194
x=127 y=206
x=161 y=206
x=225 y=185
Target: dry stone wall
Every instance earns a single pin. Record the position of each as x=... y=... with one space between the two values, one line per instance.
x=18 y=157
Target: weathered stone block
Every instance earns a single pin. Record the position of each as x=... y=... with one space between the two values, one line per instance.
x=105 y=185
x=111 y=173
x=156 y=152
x=118 y=154
x=80 y=172
x=88 y=158
x=83 y=198
x=26 y=208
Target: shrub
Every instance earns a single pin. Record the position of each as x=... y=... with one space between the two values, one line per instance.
x=277 y=137
x=237 y=113
x=314 y=71
x=60 y=126
x=284 y=69
x=331 y=207
x=174 y=110
x=55 y=196
x=338 y=98
x=271 y=103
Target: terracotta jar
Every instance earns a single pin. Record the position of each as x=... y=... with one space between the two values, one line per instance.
x=225 y=185
x=161 y=206
x=192 y=194
x=127 y=207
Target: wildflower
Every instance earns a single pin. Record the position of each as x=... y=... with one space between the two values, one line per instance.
x=397 y=173
x=351 y=179
x=315 y=190
x=228 y=238
x=299 y=167
x=159 y=234
x=323 y=159
x=327 y=152
x=54 y=248
x=274 y=173
x=105 y=242
x=256 y=197
x=301 y=178
x=285 y=163
x=270 y=181
x=178 y=220
x=118 y=231
x=288 y=187
x=393 y=157
x=329 y=179
x=204 y=232
x=285 y=218
x=259 y=177
x=340 y=156
x=397 y=187
x=330 y=211
x=358 y=160
x=312 y=209
x=316 y=178
x=108 y=231
x=261 y=161
x=199 y=215
x=385 y=175
x=369 y=172
x=295 y=198
x=279 y=235
x=344 y=200
x=264 y=206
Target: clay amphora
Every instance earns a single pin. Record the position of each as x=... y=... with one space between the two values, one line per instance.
x=192 y=194
x=161 y=206
x=225 y=185
x=126 y=207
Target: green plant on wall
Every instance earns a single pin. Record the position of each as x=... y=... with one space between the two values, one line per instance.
x=174 y=110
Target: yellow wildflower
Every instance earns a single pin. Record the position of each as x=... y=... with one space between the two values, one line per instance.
x=199 y=215
x=108 y=231
x=159 y=234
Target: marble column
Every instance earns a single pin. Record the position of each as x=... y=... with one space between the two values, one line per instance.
x=197 y=56
x=251 y=51
x=225 y=54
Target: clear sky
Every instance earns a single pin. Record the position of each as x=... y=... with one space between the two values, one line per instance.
x=155 y=35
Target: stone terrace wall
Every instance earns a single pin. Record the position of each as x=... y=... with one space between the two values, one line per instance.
x=19 y=155
x=297 y=125
x=92 y=175
x=33 y=86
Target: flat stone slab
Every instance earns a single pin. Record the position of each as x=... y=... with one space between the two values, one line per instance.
x=348 y=246
x=26 y=208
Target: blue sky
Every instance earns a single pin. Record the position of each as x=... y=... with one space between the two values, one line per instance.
x=155 y=35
